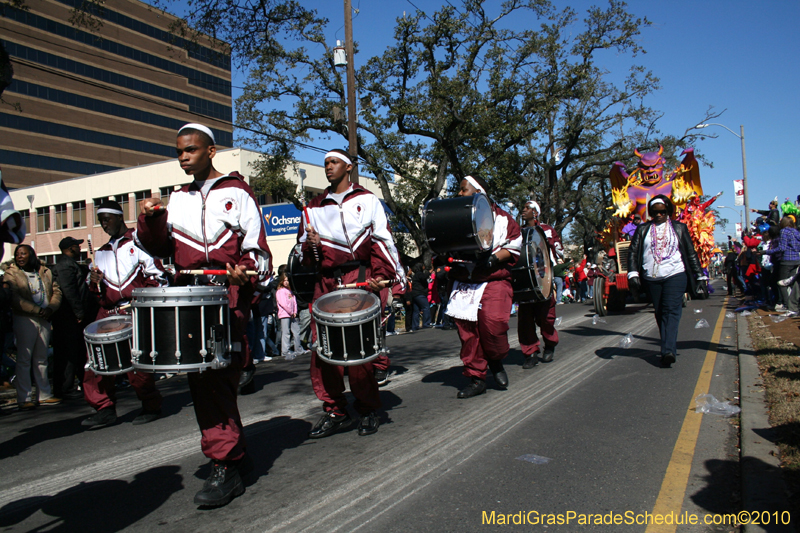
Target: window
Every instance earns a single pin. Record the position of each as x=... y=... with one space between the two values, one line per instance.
x=122 y=200
x=165 y=192
x=42 y=219
x=26 y=221
x=79 y=214
x=61 y=217
x=140 y=195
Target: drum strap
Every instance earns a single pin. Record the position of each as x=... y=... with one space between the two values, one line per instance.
x=340 y=270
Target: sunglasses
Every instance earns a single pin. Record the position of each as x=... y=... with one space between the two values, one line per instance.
x=657 y=213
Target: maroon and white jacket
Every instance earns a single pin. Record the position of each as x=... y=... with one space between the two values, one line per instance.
x=209 y=231
x=356 y=230
x=553 y=242
x=125 y=267
x=507 y=236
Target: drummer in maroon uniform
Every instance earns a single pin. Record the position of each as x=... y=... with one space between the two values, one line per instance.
x=480 y=303
x=119 y=267
x=543 y=313
x=213 y=223
x=349 y=237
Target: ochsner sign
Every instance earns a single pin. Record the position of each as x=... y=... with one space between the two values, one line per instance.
x=281 y=219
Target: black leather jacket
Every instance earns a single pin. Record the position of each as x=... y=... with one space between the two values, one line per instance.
x=690 y=261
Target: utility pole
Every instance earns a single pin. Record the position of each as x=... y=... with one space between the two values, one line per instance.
x=351 y=90
x=744 y=182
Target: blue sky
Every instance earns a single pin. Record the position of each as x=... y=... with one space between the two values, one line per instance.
x=736 y=55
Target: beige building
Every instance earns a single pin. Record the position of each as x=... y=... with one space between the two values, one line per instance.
x=66 y=208
x=91 y=100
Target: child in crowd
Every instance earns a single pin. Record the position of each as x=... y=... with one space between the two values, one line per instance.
x=287 y=313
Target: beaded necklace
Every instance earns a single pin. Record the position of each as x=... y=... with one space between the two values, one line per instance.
x=664 y=245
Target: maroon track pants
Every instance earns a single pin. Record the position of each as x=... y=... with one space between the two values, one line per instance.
x=486 y=339
x=328 y=380
x=530 y=315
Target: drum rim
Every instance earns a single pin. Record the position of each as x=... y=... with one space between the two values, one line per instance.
x=112 y=337
x=337 y=319
x=189 y=296
x=351 y=362
x=115 y=373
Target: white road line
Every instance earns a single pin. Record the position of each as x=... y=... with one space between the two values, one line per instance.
x=545 y=387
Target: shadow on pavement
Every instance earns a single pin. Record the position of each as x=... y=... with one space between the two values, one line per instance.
x=99 y=506
x=31 y=436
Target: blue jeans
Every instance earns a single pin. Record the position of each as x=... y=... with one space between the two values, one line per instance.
x=420 y=303
x=667 y=295
x=559 y=288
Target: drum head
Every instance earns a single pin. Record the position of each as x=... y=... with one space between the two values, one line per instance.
x=346 y=302
x=112 y=324
x=483 y=221
x=302 y=279
x=542 y=267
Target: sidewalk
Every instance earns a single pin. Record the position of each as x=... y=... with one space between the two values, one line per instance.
x=763 y=488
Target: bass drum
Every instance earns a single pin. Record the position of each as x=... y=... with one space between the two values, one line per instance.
x=463 y=224
x=532 y=275
x=302 y=279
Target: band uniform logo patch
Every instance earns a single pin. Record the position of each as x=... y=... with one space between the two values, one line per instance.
x=229 y=204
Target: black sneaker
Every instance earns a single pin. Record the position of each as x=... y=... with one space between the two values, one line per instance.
x=329 y=424
x=548 y=354
x=667 y=359
x=531 y=361
x=368 y=424
x=102 y=418
x=382 y=377
x=478 y=386
x=223 y=485
x=145 y=417
x=246 y=383
x=500 y=376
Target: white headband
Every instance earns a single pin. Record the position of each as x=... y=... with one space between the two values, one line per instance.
x=109 y=211
x=656 y=201
x=199 y=127
x=533 y=205
x=474 y=183
x=337 y=155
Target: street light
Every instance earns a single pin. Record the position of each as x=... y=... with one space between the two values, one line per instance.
x=744 y=167
x=732 y=209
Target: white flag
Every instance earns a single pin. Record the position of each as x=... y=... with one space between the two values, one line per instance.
x=738 y=191
x=738 y=228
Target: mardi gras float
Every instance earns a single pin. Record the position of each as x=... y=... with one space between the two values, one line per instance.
x=630 y=194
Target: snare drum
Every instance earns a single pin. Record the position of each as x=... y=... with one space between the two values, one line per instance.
x=108 y=343
x=181 y=329
x=349 y=330
x=302 y=279
x=532 y=275
x=463 y=224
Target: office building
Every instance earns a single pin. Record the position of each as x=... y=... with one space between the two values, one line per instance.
x=98 y=100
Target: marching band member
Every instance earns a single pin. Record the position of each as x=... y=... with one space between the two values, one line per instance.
x=119 y=267
x=211 y=222
x=484 y=331
x=543 y=313
x=349 y=234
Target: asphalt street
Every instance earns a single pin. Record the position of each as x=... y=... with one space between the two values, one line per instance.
x=599 y=430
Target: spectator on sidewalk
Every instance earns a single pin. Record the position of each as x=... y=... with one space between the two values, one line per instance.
x=419 y=297
x=789 y=249
x=75 y=313
x=35 y=296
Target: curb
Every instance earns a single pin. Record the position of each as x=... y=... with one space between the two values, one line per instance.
x=763 y=488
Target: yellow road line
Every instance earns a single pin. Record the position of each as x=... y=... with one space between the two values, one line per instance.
x=673 y=488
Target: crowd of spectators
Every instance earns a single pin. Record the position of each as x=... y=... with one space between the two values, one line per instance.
x=762 y=264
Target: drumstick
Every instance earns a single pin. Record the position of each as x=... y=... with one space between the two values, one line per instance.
x=308 y=223
x=222 y=272
x=91 y=252
x=159 y=207
x=383 y=283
